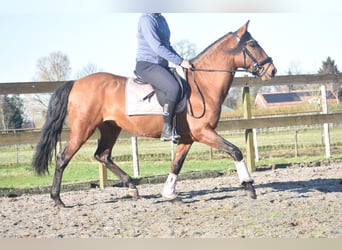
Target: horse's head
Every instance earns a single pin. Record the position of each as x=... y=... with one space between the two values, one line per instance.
x=251 y=56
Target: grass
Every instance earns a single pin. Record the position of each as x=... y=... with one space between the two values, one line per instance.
x=20 y=176
x=275 y=147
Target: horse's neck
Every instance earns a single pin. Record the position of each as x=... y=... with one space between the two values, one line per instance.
x=217 y=83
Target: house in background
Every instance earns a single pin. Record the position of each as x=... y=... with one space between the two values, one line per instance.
x=300 y=97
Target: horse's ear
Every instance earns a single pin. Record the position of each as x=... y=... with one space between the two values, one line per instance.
x=242 y=30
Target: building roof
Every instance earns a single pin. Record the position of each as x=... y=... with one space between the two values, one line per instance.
x=291 y=98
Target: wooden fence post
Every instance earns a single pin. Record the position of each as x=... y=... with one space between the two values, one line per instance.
x=325 y=125
x=255 y=141
x=247 y=114
x=296 y=143
x=135 y=154
x=102 y=176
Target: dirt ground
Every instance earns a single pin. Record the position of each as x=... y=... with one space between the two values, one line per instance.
x=293 y=202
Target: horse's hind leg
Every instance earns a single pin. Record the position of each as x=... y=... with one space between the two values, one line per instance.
x=62 y=160
x=61 y=163
x=109 y=135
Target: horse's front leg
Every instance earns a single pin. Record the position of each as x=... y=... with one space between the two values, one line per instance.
x=109 y=134
x=212 y=139
x=169 y=190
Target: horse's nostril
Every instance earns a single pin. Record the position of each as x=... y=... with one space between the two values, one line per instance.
x=274 y=72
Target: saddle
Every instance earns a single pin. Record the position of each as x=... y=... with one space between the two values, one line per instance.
x=141 y=97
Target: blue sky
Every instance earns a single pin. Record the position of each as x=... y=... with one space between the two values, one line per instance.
x=105 y=36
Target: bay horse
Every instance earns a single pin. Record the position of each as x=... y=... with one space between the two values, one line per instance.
x=98 y=101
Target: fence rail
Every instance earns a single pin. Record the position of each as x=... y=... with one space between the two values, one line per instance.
x=32 y=137
x=48 y=87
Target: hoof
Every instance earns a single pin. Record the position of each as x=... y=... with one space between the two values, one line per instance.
x=133 y=192
x=176 y=201
x=250 y=191
x=171 y=196
x=59 y=204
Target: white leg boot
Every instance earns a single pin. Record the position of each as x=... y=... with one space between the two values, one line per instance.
x=169 y=190
x=242 y=172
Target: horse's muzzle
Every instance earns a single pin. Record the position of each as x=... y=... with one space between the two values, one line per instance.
x=268 y=72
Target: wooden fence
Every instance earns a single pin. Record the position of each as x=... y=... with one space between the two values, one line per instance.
x=48 y=87
x=247 y=123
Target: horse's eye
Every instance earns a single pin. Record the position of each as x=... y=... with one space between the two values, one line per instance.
x=253 y=44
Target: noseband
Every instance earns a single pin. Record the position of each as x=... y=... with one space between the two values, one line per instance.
x=258 y=67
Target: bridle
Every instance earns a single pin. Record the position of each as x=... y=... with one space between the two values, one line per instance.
x=257 y=70
x=258 y=67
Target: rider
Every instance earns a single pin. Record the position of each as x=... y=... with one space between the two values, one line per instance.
x=153 y=55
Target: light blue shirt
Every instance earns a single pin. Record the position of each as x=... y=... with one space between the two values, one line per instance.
x=154 y=41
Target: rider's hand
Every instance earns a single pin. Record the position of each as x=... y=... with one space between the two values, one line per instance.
x=186 y=64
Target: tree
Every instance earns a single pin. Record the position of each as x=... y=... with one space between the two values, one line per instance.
x=87 y=70
x=12 y=112
x=55 y=67
x=186 y=49
x=328 y=67
x=294 y=68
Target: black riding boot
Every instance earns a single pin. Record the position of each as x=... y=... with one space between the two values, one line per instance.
x=168 y=132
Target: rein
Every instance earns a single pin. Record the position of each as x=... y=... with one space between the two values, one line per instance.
x=199 y=92
x=219 y=70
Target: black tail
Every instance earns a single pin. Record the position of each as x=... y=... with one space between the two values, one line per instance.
x=56 y=113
